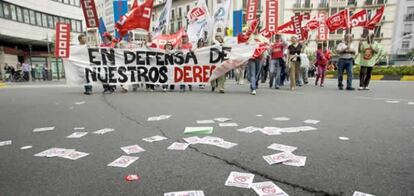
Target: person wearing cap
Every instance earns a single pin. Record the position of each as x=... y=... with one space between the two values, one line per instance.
x=108 y=43
x=185 y=45
x=219 y=82
x=276 y=63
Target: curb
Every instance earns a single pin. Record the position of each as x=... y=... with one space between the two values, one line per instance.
x=380 y=77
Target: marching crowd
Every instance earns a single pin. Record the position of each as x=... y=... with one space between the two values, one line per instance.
x=282 y=61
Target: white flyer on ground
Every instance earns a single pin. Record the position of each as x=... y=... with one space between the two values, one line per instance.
x=132 y=149
x=77 y=135
x=158 y=118
x=228 y=124
x=249 y=129
x=268 y=188
x=343 y=138
x=357 y=193
x=80 y=102
x=211 y=140
x=226 y=145
x=5 y=143
x=392 y=101
x=222 y=119
x=278 y=158
x=154 y=138
x=309 y=121
x=103 y=131
x=185 y=193
x=259 y=115
x=307 y=128
x=54 y=152
x=281 y=147
x=79 y=128
x=410 y=103
x=241 y=180
x=298 y=161
x=281 y=118
x=43 y=129
x=270 y=131
x=205 y=121
x=26 y=147
x=178 y=146
x=123 y=161
x=192 y=140
x=75 y=155
x=290 y=130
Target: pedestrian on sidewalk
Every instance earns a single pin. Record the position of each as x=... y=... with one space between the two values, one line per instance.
x=26 y=68
x=322 y=59
x=346 y=51
x=369 y=54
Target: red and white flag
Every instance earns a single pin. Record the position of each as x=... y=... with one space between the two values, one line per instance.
x=175 y=39
x=359 y=19
x=312 y=24
x=338 y=21
x=297 y=26
x=376 y=19
x=272 y=15
x=62 y=44
x=138 y=18
x=89 y=11
x=286 y=28
x=251 y=11
x=323 y=30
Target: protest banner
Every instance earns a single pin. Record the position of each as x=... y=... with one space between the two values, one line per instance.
x=152 y=66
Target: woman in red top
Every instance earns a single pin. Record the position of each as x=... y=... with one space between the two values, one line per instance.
x=322 y=60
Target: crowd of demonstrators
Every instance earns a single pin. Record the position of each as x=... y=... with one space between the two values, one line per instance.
x=285 y=61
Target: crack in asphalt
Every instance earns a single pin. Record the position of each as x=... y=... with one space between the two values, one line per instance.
x=235 y=164
x=266 y=176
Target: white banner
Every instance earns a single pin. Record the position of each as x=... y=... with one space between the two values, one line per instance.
x=163 y=21
x=152 y=66
x=201 y=23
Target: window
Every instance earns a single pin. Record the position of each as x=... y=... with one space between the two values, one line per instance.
x=172 y=14
x=38 y=19
x=77 y=3
x=13 y=12
x=172 y=27
x=410 y=10
x=405 y=45
x=6 y=9
x=78 y=26
x=44 y=20
x=408 y=28
x=26 y=16
x=51 y=22
x=188 y=8
x=56 y=19
x=72 y=2
x=73 y=25
x=19 y=14
x=32 y=17
x=180 y=13
x=180 y=24
x=62 y=20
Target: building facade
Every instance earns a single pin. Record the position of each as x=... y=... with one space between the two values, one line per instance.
x=403 y=39
x=28 y=31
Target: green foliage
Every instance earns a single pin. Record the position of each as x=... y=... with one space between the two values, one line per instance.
x=390 y=71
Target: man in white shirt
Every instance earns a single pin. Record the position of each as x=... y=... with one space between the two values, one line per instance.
x=346 y=51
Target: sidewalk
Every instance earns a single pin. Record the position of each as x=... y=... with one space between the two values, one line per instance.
x=380 y=77
x=53 y=83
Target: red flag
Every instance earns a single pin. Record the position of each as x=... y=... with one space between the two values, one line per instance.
x=251 y=10
x=252 y=26
x=272 y=15
x=297 y=26
x=138 y=18
x=175 y=39
x=312 y=25
x=323 y=30
x=89 y=11
x=266 y=33
x=359 y=19
x=286 y=28
x=62 y=44
x=376 y=19
x=338 y=20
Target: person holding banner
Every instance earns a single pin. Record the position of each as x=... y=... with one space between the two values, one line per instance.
x=82 y=42
x=276 y=63
x=369 y=51
x=186 y=45
x=168 y=49
x=108 y=42
x=219 y=82
x=346 y=52
x=294 y=50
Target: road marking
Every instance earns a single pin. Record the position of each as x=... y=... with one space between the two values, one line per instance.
x=384 y=99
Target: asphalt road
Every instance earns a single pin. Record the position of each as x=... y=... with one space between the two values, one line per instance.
x=377 y=159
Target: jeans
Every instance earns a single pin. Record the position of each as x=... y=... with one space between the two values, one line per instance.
x=365 y=76
x=26 y=76
x=345 y=64
x=275 y=70
x=254 y=67
x=320 y=74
